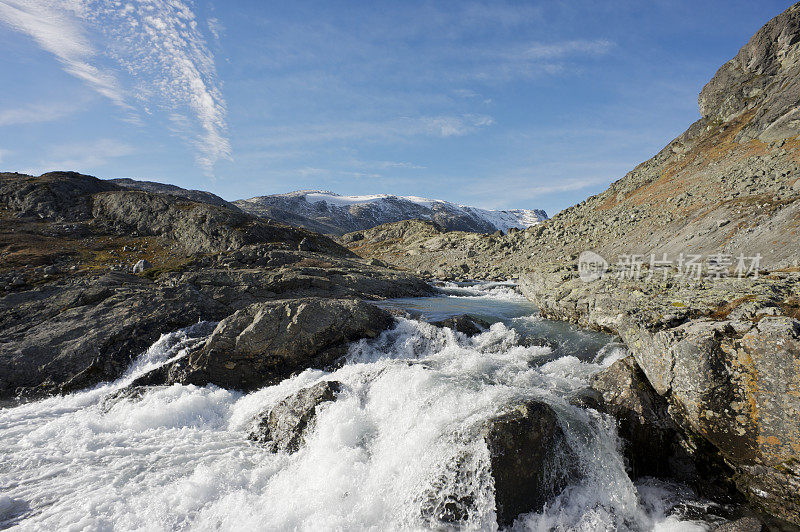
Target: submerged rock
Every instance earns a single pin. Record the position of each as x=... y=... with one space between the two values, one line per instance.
x=267 y=342
x=464 y=323
x=283 y=428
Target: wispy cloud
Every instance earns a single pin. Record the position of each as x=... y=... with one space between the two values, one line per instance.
x=158 y=43
x=56 y=28
x=35 y=113
x=388 y=130
x=559 y=50
x=82 y=156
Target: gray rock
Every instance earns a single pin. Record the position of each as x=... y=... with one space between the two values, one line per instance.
x=141 y=266
x=284 y=427
x=266 y=342
x=651 y=437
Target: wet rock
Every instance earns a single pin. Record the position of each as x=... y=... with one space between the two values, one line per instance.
x=141 y=266
x=266 y=342
x=651 y=437
x=531 y=461
x=464 y=323
x=283 y=428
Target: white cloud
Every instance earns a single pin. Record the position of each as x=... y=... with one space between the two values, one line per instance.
x=31 y=114
x=389 y=130
x=559 y=50
x=56 y=28
x=157 y=42
x=82 y=156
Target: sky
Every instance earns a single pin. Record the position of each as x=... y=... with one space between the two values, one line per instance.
x=535 y=104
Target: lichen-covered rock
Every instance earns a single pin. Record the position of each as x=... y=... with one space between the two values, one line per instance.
x=724 y=354
x=283 y=428
x=266 y=342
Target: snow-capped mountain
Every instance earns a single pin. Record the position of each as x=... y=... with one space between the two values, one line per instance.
x=327 y=212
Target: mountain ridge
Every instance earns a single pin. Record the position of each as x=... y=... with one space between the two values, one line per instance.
x=339 y=214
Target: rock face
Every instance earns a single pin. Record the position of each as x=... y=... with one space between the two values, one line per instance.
x=198 y=196
x=650 y=435
x=531 y=460
x=70 y=313
x=284 y=427
x=728 y=365
x=331 y=213
x=266 y=342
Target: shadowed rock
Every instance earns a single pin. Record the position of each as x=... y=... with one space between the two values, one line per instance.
x=469 y=325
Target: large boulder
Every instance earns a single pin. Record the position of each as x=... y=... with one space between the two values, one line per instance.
x=266 y=342
x=283 y=428
x=531 y=460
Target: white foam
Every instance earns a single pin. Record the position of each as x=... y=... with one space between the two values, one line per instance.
x=412 y=400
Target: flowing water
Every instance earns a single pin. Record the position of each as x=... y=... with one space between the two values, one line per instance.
x=178 y=457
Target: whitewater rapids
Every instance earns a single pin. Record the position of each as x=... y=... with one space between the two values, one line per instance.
x=178 y=457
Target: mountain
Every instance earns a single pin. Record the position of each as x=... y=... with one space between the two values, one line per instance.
x=331 y=213
x=200 y=196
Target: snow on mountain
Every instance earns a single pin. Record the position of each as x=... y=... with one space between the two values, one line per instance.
x=332 y=213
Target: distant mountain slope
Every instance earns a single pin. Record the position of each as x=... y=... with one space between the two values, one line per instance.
x=331 y=213
x=200 y=196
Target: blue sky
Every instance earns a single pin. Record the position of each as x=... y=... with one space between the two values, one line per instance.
x=493 y=104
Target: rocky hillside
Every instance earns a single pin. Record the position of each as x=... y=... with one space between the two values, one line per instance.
x=91 y=273
x=331 y=213
x=200 y=196
x=729 y=184
x=720 y=354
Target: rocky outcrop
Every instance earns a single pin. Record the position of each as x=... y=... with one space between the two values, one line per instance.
x=198 y=196
x=283 y=428
x=72 y=315
x=651 y=437
x=725 y=355
x=63 y=338
x=764 y=77
x=266 y=342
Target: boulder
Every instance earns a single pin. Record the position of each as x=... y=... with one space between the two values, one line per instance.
x=283 y=428
x=464 y=323
x=266 y=342
x=531 y=460
x=643 y=420
x=141 y=266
